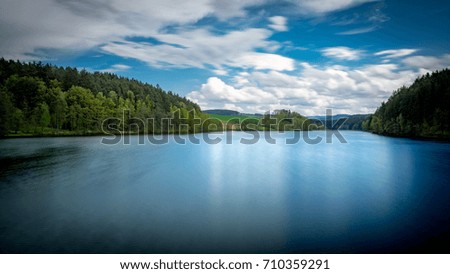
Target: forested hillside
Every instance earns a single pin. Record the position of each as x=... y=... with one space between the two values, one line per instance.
x=341 y=121
x=421 y=110
x=38 y=98
x=285 y=120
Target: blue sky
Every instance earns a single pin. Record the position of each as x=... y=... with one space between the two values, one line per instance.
x=250 y=56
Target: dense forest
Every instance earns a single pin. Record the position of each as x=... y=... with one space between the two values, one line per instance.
x=421 y=110
x=41 y=99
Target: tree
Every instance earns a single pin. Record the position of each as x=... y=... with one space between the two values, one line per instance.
x=420 y=110
x=6 y=107
x=17 y=120
x=41 y=117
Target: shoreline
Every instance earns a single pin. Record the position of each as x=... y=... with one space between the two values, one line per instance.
x=135 y=133
x=417 y=138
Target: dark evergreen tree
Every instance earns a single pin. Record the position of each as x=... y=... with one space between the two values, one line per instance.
x=421 y=110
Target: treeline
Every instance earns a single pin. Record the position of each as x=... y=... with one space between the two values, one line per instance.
x=286 y=120
x=354 y=122
x=38 y=98
x=341 y=121
x=421 y=110
x=225 y=112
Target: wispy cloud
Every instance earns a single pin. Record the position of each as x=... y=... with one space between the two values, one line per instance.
x=362 y=22
x=342 y=53
x=395 y=53
x=278 y=23
x=116 y=68
x=220 y=72
x=428 y=62
x=358 y=30
x=200 y=48
x=326 y=6
x=29 y=25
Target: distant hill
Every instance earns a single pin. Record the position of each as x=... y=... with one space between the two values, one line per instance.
x=334 y=117
x=226 y=112
x=348 y=122
x=421 y=110
x=222 y=112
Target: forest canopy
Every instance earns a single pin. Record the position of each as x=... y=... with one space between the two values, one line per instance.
x=421 y=110
x=38 y=98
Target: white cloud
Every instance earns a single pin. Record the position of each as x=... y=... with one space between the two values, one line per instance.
x=395 y=53
x=358 y=30
x=201 y=48
x=30 y=27
x=279 y=23
x=116 y=68
x=231 y=8
x=45 y=29
x=325 y=6
x=428 y=62
x=220 y=72
x=233 y=107
x=216 y=91
x=261 y=61
x=310 y=91
x=342 y=53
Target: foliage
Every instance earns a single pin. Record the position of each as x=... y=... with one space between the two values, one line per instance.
x=285 y=120
x=421 y=110
x=37 y=98
x=354 y=122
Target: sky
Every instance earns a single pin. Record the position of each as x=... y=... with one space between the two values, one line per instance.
x=251 y=56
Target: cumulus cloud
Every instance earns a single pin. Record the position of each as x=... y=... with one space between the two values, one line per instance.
x=342 y=53
x=310 y=91
x=217 y=91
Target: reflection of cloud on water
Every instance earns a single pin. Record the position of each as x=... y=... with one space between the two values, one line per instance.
x=247 y=195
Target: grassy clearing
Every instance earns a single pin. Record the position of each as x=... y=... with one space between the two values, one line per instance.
x=235 y=119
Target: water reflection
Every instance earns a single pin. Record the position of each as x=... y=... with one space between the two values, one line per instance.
x=374 y=194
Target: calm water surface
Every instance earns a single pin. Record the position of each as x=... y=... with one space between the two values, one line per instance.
x=372 y=195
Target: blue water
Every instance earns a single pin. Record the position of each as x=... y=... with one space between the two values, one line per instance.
x=372 y=194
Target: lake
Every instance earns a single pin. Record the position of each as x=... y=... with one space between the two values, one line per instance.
x=373 y=194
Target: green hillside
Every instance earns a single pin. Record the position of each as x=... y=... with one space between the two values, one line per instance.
x=421 y=110
x=41 y=99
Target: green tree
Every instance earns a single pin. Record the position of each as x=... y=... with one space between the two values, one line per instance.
x=41 y=117
x=6 y=107
x=17 y=120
